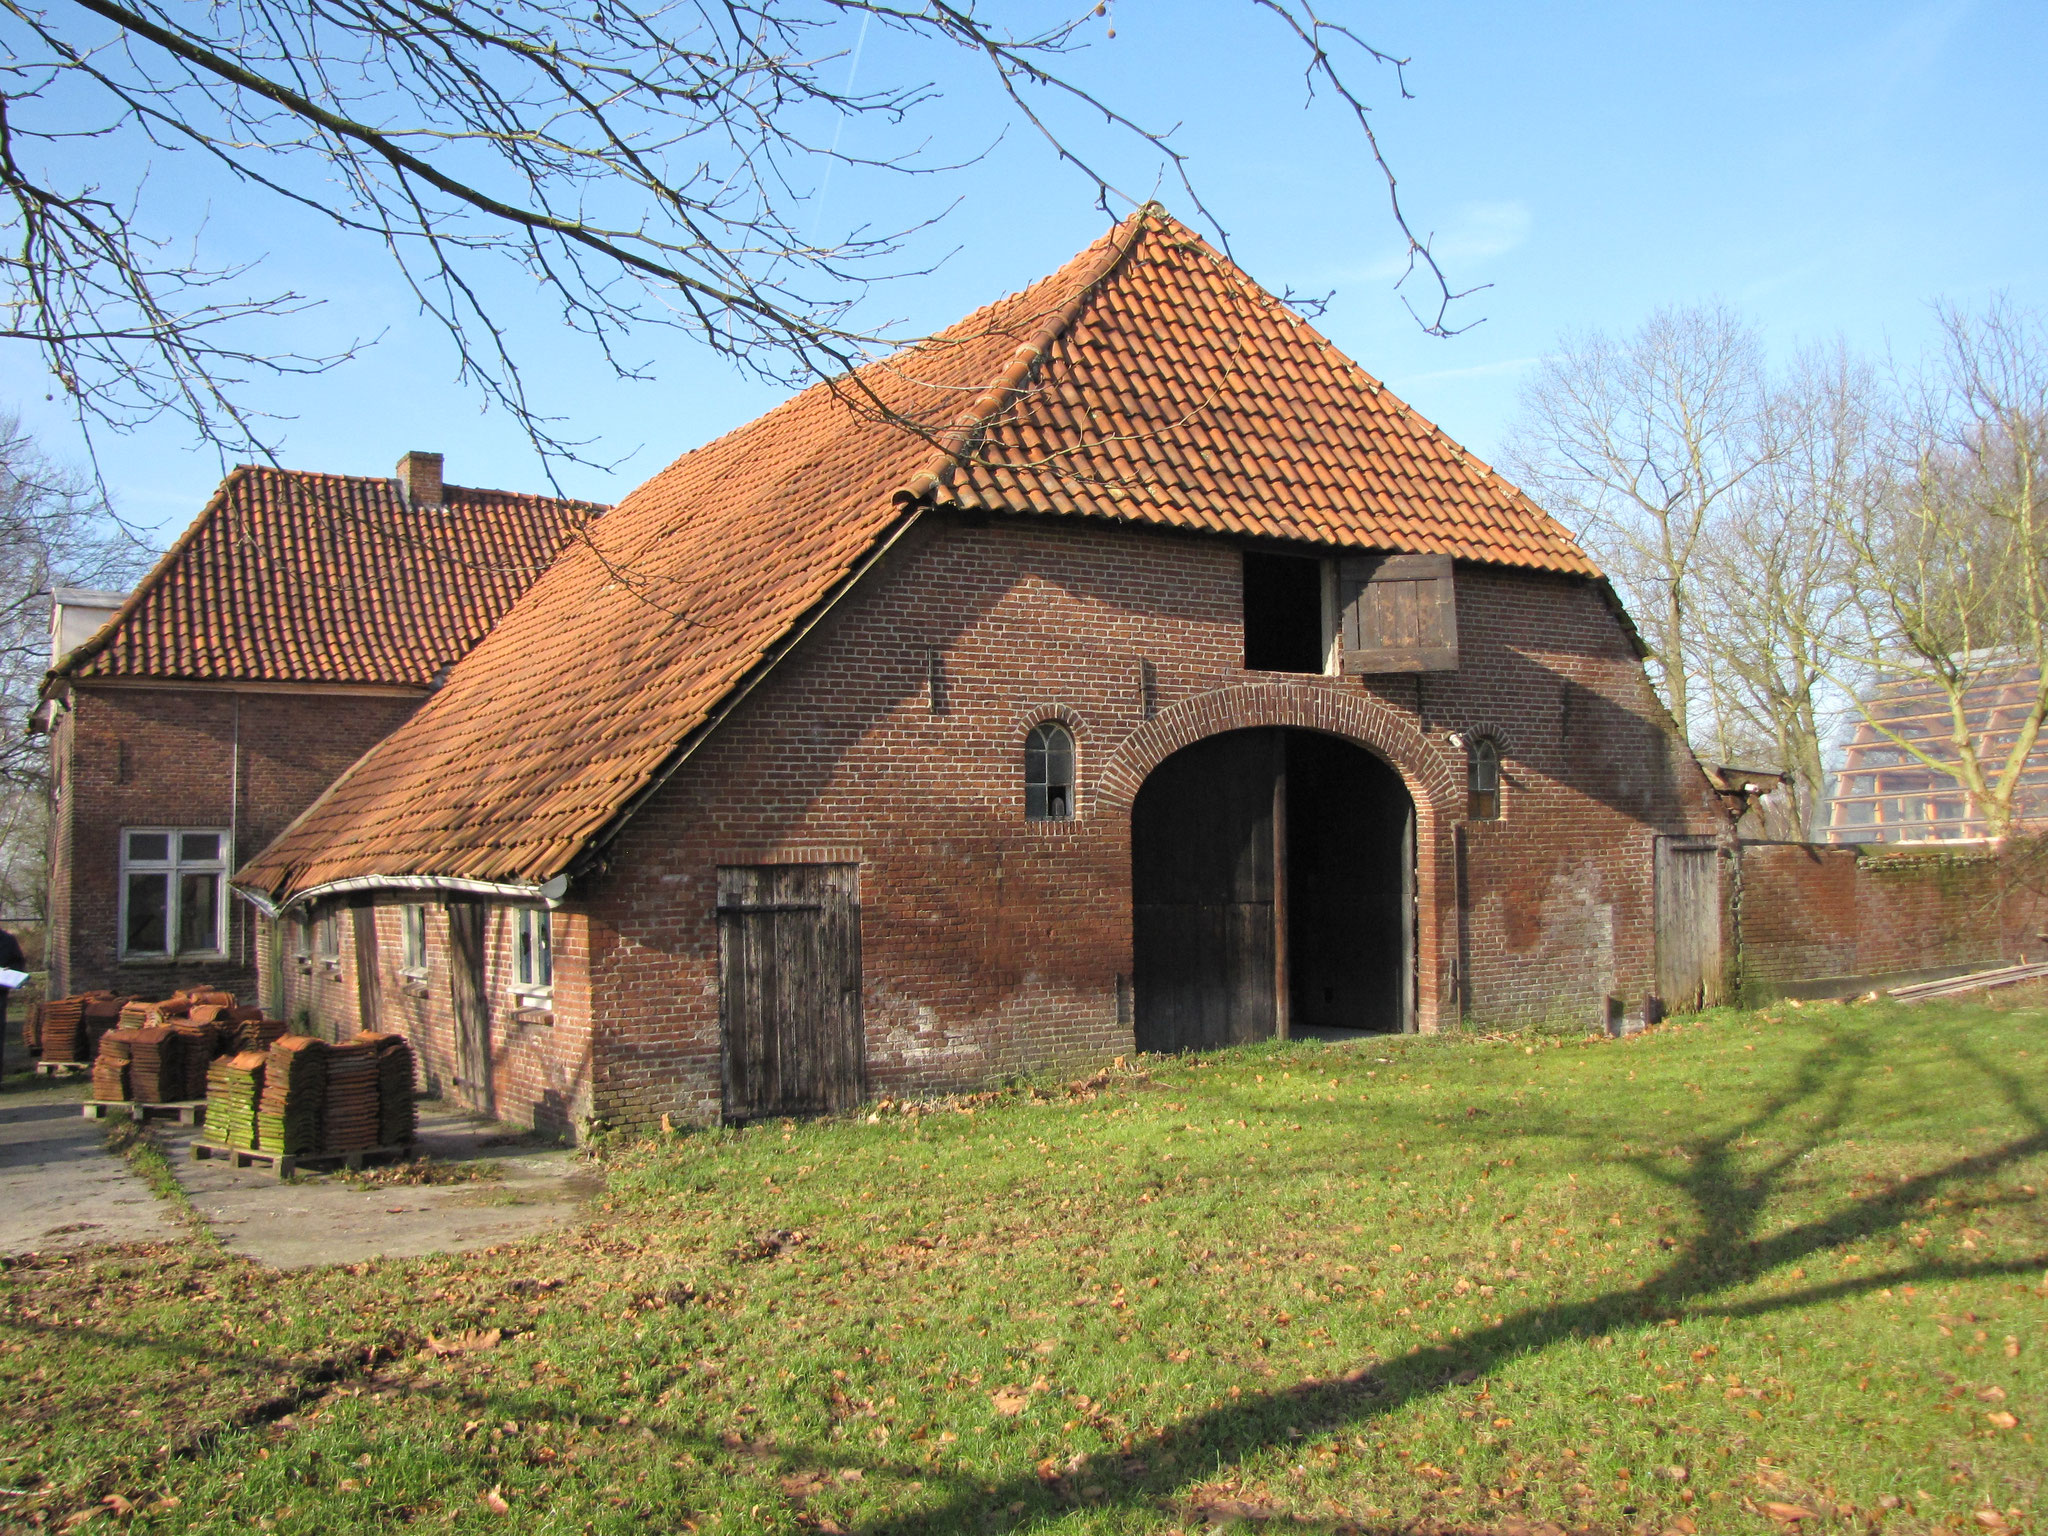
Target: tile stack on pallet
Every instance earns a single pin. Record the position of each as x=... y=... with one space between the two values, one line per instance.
x=294 y=1091
x=72 y=1026
x=156 y=1064
x=234 y=1094
x=110 y=1068
x=398 y=1119
x=63 y=1028
x=352 y=1121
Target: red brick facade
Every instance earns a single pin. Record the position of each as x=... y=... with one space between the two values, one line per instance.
x=539 y=1057
x=1822 y=920
x=247 y=760
x=992 y=945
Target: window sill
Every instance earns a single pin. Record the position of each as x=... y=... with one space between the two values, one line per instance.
x=533 y=1018
x=183 y=958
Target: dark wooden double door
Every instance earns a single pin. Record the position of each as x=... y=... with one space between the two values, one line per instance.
x=789 y=989
x=1272 y=891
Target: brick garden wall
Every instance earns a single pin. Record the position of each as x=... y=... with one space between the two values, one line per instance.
x=151 y=757
x=1820 y=918
x=991 y=945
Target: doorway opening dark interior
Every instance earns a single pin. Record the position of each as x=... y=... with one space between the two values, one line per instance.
x=1273 y=892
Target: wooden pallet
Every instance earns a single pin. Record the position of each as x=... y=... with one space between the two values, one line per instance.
x=285 y=1164
x=184 y=1111
x=62 y=1068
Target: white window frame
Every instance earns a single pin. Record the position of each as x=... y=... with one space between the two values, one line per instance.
x=326 y=928
x=530 y=988
x=412 y=941
x=172 y=868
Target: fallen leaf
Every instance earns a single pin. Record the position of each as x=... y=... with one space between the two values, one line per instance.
x=1991 y=1519
x=494 y=1500
x=2001 y=1420
x=1010 y=1401
x=1790 y=1514
x=1991 y=1395
x=121 y=1507
x=465 y=1342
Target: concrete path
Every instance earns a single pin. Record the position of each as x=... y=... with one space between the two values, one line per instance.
x=327 y=1219
x=59 y=1186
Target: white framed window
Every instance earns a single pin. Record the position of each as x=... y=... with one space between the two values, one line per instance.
x=412 y=941
x=174 y=892
x=327 y=937
x=533 y=950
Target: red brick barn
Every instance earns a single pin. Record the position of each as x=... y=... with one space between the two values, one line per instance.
x=1123 y=668
x=298 y=621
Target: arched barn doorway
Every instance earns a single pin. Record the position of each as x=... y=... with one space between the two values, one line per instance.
x=1272 y=890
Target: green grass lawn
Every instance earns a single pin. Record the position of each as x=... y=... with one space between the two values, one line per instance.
x=1745 y=1270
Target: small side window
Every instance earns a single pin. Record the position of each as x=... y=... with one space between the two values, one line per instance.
x=533 y=949
x=412 y=941
x=1482 y=797
x=327 y=936
x=1049 y=773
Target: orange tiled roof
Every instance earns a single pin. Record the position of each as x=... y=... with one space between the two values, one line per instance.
x=289 y=576
x=1147 y=381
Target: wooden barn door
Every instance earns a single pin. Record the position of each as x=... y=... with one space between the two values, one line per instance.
x=1203 y=883
x=1689 y=971
x=470 y=1002
x=789 y=989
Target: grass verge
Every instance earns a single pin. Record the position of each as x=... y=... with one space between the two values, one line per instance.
x=130 y=1140
x=1750 y=1272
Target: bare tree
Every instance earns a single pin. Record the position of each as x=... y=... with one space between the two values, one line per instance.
x=1642 y=445
x=54 y=531
x=1773 y=587
x=1946 y=562
x=645 y=168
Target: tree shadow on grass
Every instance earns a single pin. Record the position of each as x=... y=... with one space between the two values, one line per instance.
x=1703 y=1279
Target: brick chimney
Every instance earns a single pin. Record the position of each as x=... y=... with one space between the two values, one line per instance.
x=419 y=479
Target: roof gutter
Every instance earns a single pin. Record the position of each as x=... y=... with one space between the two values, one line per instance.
x=447 y=885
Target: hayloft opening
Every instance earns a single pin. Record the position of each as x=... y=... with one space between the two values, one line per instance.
x=1272 y=892
x=1283 y=613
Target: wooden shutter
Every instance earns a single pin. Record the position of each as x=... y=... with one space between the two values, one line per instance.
x=1397 y=613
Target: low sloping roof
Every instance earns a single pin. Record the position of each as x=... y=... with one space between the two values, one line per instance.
x=1148 y=381
x=292 y=577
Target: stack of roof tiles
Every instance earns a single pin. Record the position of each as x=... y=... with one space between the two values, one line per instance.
x=398 y=1119
x=294 y=1092
x=156 y=1062
x=101 y=1015
x=352 y=1119
x=63 y=1032
x=246 y=1029
x=110 y=1068
x=1148 y=382
x=234 y=1093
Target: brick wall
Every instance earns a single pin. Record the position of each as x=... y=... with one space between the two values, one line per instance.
x=158 y=757
x=537 y=1057
x=1819 y=918
x=993 y=945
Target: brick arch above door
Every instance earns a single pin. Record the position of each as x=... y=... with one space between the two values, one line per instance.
x=1432 y=775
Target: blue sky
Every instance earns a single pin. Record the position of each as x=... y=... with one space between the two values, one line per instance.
x=1830 y=169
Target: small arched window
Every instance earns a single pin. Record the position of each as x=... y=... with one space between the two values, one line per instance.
x=1482 y=785
x=1049 y=773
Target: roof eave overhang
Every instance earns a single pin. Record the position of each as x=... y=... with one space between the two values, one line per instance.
x=443 y=885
